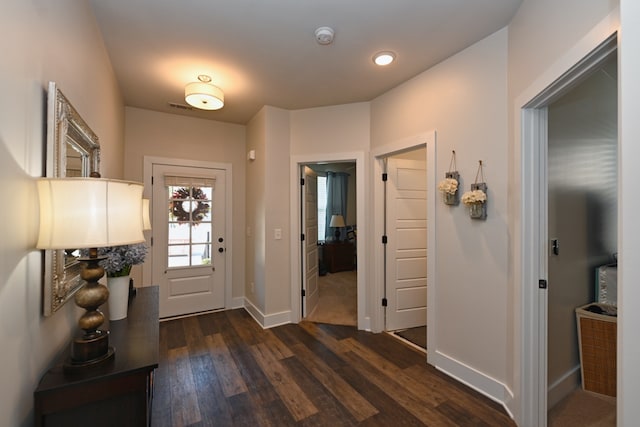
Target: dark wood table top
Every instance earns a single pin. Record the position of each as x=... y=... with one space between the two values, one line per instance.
x=135 y=338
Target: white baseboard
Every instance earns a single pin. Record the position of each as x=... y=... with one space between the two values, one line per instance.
x=562 y=387
x=237 y=302
x=269 y=320
x=366 y=324
x=483 y=384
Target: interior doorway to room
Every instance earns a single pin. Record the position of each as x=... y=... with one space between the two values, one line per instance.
x=571 y=136
x=582 y=231
x=329 y=255
x=405 y=278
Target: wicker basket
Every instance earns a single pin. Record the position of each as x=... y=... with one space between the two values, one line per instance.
x=597 y=338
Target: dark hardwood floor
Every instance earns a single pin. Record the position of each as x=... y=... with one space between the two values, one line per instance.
x=222 y=369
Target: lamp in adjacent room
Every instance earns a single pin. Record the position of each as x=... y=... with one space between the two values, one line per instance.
x=337 y=221
x=89 y=213
x=204 y=95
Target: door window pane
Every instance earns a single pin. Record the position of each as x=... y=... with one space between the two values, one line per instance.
x=190 y=227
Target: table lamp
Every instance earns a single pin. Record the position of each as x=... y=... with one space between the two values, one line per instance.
x=89 y=213
x=337 y=221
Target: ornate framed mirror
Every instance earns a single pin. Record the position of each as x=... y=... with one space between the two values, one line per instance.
x=72 y=150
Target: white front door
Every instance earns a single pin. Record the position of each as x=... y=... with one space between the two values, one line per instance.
x=310 y=244
x=406 y=225
x=189 y=238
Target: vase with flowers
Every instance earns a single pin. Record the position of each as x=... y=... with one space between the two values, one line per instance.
x=117 y=266
x=476 y=200
x=449 y=185
x=449 y=188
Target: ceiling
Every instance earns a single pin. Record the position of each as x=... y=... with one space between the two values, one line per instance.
x=264 y=52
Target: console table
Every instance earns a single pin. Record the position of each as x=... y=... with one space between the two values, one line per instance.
x=338 y=256
x=118 y=393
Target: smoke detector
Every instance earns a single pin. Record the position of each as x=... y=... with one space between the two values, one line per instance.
x=324 y=35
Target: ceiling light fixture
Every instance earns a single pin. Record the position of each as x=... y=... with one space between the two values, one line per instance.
x=384 y=58
x=204 y=95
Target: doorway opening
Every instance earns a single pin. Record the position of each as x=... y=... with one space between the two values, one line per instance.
x=345 y=254
x=570 y=226
x=404 y=203
x=329 y=259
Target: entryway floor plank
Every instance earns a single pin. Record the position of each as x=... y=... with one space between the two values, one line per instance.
x=223 y=369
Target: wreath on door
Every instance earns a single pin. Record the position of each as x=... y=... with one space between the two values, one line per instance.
x=190 y=196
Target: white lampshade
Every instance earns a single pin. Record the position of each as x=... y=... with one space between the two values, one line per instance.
x=204 y=96
x=146 y=220
x=89 y=212
x=336 y=221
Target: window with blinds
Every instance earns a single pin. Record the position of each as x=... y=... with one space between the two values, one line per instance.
x=322 y=207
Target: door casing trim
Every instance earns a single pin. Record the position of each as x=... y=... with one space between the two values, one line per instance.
x=296 y=229
x=530 y=258
x=428 y=140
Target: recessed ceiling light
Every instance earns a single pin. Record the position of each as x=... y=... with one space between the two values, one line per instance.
x=384 y=58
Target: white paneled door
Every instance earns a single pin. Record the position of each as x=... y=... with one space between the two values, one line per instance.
x=406 y=225
x=310 y=243
x=188 y=238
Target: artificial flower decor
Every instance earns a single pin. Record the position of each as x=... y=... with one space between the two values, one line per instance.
x=120 y=259
x=448 y=186
x=476 y=200
x=196 y=202
x=474 y=197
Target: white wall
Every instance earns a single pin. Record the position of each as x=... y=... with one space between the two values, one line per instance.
x=464 y=100
x=42 y=41
x=150 y=133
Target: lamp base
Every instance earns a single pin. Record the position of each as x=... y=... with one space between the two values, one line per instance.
x=89 y=351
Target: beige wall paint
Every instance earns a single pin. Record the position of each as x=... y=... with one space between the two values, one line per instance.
x=544 y=30
x=256 y=211
x=150 y=133
x=463 y=99
x=44 y=41
x=268 y=285
x=276 y=180
x=330 y=130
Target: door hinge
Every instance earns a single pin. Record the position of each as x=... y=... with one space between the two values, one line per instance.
x=303 y=293
x=542 y=284
x=384 y=177
x=384 y=240
x=151 y=180
x=302 y=237
x=151 y=239
x=384 y=302
x=301 y=181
